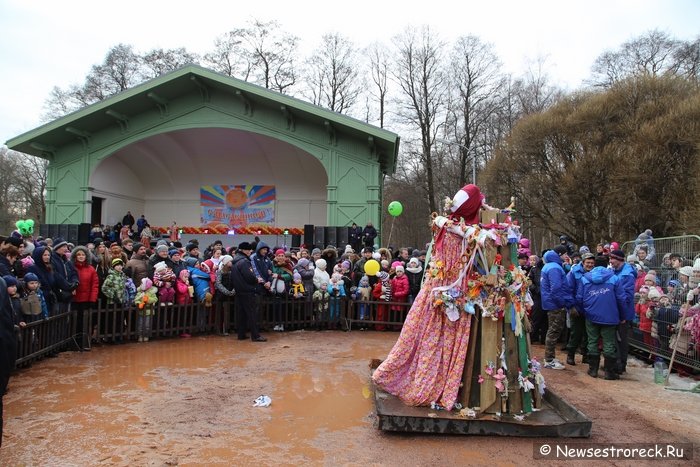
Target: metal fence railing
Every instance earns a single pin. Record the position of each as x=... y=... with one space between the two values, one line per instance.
x=114 y=324
x=657 y=333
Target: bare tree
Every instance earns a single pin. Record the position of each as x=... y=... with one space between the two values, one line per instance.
x=653 y=54
x=22 y=188
x=476 y=82
x=379 y=70
x=534 y=91
x=157 y=62
x=229 y=55
x=334 y=74
x=419 y=72
x=271 y=55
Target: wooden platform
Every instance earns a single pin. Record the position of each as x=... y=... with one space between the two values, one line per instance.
x=557 y=418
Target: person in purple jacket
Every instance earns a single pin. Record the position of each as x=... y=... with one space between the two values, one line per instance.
x=603 y=299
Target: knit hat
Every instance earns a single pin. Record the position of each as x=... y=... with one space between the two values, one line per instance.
x=367 y=249
x=297 y=276
x=618 y=255
x=399 y=268
x=686 y=271
x=191 y=261
x=12 y=240
x=586 y=256
x=146 y=283
x=10 y=280
x=161 y=247
x=226 y=259
x=184 y=274
x=348 y=249
x=414 y=261
x=137 y=245
x=321 y=264
x=376 y=255
x=190 y=247
x=303 y=263
x=172 y=252
x=244 y=246
x=346 y=265
x=161 y=242
x=58 y=243
x=383 y=276
x=30 y=277
x=117 y=261
x=654 y=293
x=696 y=265
x=560 y=250
x=584 y=249
x=671 y=283
x=279 y=252
x=160 y=266
x=315 y=251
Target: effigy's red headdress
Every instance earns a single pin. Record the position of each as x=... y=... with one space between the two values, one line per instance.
x=466 y=204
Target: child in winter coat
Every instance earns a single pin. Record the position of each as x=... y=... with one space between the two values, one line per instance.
x=363 y=295
x=201 y=282
x=400 y=288
x=164 y=279
x=32 y=301
x=114 y=287
x=414 y=273
x=320 y=275
x=320 y=300
x=282 y=271
x=146 y=298
x=297 y=290
x=336 y=291
x=382 y=292
x=185 y=291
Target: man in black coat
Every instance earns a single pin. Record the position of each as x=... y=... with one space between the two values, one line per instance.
x=369 y=233
x=244 y=283
x=8 y=343
x=66 y=274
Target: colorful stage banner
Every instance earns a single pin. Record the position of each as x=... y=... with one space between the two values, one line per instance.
x=237 y=206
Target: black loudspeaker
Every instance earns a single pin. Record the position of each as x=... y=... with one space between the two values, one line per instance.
x=54 y=231
x=331 y=238
x=296 y=241
x=319 y=237
x=342 y=237
x=83 y=233
x=72 y=231
x=44 y=230
x=308 y=234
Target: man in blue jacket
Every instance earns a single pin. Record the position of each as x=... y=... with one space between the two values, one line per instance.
x=603 y=299
x=577 y=335
x=556 y=299
x=627 y=275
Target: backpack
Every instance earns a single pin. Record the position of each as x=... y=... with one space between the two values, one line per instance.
x=30 y=304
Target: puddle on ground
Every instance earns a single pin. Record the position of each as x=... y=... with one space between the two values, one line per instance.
x=191 y=401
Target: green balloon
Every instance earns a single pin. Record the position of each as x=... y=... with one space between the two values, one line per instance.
x=395 y=208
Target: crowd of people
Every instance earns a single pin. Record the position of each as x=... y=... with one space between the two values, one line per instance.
x=602 y=296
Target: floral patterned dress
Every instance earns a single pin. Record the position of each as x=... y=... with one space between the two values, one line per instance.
x=427 y=361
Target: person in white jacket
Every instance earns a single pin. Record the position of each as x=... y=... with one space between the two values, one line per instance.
x=320 y=274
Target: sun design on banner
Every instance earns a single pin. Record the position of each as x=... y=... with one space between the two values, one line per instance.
x=237 y=206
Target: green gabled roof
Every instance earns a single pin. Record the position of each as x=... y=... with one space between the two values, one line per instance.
x=130 y=102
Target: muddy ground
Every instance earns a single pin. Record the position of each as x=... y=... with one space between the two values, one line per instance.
x=190 y=402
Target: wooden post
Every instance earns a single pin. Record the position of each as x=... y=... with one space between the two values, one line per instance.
x=468 y=374
x=490 y=340
x=515 y=397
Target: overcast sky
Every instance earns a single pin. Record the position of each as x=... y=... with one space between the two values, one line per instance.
x=47 y=43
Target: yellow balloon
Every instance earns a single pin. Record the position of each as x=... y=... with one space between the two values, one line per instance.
x=371 y=267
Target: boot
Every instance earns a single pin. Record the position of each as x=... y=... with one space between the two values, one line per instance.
x=584 y=358
x=571 y=358
x=610 y=373
x=593 y=365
